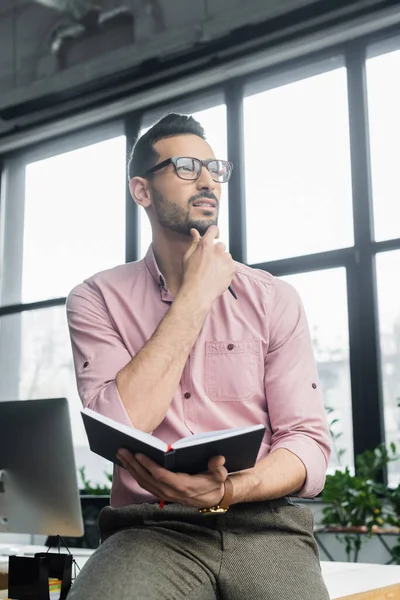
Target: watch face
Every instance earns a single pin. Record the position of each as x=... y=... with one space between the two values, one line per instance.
x=213 y=509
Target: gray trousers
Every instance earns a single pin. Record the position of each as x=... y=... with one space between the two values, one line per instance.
x=259 y=551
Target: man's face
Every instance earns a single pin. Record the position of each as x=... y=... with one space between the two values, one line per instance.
x=174 y=200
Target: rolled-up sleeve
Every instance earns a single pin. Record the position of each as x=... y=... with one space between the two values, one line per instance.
x=295 y=405
x=98 y=352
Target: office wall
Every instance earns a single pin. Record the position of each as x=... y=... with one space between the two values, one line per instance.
x=44 y=49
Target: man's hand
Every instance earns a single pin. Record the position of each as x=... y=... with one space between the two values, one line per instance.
x=200 y=491
x=207 y=268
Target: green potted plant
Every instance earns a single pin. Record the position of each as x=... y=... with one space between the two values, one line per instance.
x=356 y=504
x=89 y=489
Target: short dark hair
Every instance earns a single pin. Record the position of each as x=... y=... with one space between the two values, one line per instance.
x=143 y=156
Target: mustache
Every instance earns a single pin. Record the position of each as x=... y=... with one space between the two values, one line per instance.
x=207 y=195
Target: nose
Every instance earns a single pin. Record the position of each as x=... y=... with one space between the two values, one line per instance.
x=205 y=181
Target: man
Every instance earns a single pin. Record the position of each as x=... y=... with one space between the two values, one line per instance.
x=162 y=344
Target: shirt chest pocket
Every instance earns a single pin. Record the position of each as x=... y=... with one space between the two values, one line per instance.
x=232 y=370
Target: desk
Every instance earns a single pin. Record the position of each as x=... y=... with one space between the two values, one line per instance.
x=345 y=581
x=357 y=581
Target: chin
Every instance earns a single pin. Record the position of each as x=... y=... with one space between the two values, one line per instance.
x=203 y=226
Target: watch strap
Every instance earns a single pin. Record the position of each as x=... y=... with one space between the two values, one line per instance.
x=228 y=494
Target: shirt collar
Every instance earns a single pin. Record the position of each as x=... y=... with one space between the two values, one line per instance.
x=152 y=266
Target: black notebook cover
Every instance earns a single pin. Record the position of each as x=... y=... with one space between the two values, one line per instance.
x=239 y=451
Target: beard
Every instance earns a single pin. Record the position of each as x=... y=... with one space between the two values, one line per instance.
x=176 y=218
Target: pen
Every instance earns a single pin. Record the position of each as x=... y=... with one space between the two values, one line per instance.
x=232 y=291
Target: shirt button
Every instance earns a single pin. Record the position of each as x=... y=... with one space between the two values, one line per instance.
x=86 y=364
x=230 y=346
x=187 y=395
x=314 y=386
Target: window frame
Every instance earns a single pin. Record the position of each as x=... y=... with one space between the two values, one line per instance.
x=359 y=260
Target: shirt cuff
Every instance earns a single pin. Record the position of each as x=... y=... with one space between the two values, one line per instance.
x=108 y=403
x=311 y=455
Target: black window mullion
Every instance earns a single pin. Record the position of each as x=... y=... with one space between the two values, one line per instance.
x=330 y=259
x=368 y=425
x=235 y=145
x=13 y=309
x=386 y=245
x=132 y=233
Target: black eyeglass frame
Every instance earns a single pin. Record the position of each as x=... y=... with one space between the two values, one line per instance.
x=173 y=160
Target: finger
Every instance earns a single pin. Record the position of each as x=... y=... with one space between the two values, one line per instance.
x=195 y=242
x=217 y=469
x=167 y=481
x=132 y=464
x=211 y=234
x=220 y=475
x=143 y=478
x=123 y=453
x=175 y=486
x=149 y=470
x=127 y=465
x=143 y=475
x=215 y=462
x=221 y=246
x=152 y=467
x=195 y=235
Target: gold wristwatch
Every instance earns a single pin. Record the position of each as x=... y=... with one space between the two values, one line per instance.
x=225 y=503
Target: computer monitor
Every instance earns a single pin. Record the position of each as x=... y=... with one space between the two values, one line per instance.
x=38 y=482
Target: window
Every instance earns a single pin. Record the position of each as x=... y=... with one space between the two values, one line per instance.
x=388 y=269
x=324 y=295
x=74 y=222
x=214 y=122
x=384 y=126
x=64 y=220
x=297 y=164
x=36 y=362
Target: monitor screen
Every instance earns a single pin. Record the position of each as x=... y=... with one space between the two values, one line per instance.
x=38 y=481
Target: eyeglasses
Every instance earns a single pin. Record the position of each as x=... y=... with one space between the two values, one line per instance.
x=190 y=168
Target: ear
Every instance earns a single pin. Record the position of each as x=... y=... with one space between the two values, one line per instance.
x=138 y=186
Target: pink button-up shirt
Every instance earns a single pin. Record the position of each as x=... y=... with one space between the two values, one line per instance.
x=251 y=363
